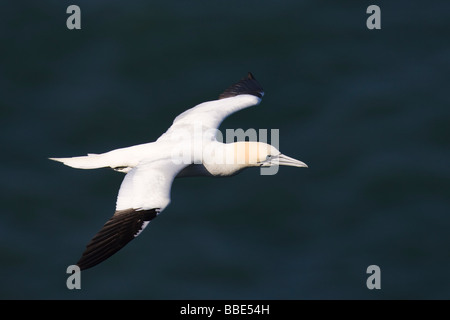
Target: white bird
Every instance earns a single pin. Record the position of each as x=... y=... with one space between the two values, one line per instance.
x=188 y=148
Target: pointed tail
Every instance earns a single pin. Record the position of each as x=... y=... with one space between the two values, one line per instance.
x=91 y=161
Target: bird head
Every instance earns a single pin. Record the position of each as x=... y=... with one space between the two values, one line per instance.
x=260 y=154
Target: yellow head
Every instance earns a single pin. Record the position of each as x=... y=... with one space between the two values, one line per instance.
x=256 y=154
x=229 y=159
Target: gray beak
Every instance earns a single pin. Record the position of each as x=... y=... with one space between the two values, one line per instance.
x=283 y=160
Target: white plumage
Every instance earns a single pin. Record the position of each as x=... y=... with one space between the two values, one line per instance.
x=187 y=148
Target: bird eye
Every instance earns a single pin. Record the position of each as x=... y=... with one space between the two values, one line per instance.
x=268 y=157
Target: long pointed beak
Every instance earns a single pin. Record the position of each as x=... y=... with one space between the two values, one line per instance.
x=288 y=161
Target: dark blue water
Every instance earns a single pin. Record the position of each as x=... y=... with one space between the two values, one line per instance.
x=367 y=110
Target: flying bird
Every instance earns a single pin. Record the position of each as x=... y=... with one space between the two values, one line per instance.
x=188 y=148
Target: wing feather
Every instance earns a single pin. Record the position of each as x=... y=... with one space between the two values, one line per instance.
x=243 y=94
x=144 y=193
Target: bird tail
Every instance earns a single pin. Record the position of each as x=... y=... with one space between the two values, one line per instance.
x=91 y=161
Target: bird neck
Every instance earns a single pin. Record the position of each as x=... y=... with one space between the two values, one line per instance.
x=229 y=159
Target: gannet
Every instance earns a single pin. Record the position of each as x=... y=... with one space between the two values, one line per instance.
x=151 y=167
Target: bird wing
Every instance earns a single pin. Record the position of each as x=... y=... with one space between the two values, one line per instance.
x=245 y=93
x=144 y=193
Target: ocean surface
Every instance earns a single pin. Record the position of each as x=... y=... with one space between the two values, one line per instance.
x=367 y=110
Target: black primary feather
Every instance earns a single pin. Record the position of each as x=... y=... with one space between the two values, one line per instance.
x=247 y=85
x=123 y=227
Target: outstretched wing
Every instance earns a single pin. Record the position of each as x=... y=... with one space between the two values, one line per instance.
x=245 y=93
x=144 y=193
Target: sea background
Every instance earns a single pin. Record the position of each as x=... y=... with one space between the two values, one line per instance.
x=367 y=110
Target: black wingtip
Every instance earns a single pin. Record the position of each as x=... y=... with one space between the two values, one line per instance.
x=247 y=85
x=123 y=227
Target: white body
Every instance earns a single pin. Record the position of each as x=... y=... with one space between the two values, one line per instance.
x=151 y=167
x=188 y=147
